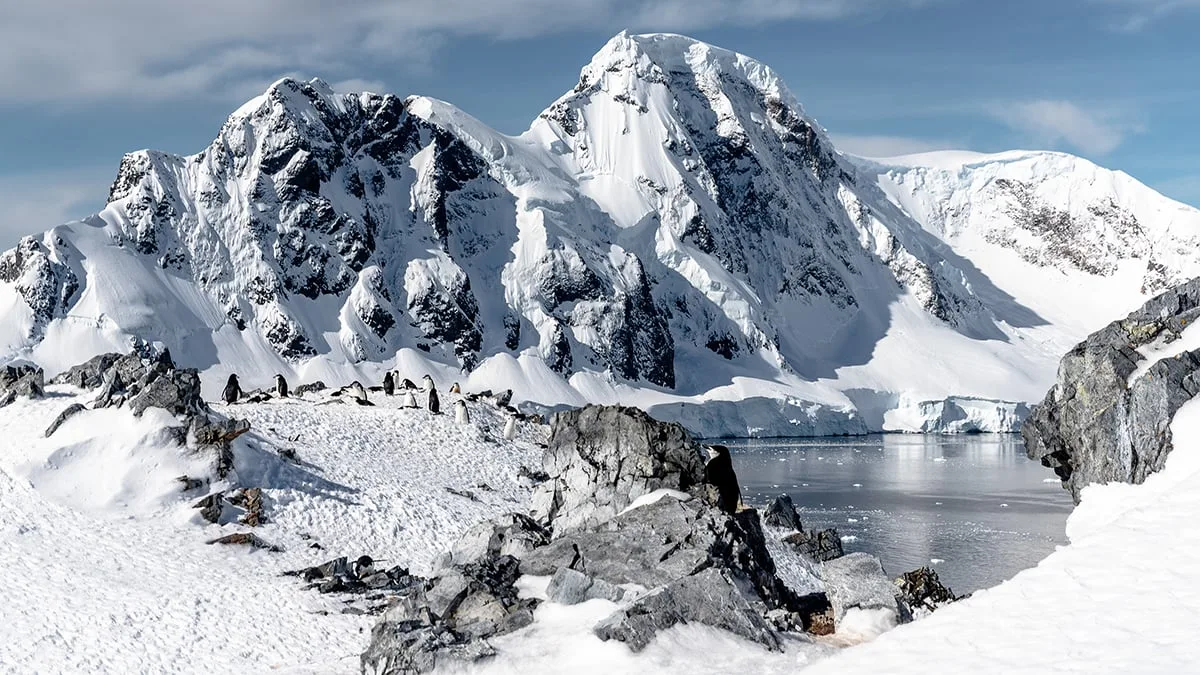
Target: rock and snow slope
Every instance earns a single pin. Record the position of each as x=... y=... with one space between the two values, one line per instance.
x=674 y=233
x=108 y=566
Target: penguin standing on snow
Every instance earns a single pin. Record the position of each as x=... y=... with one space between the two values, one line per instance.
x=407 y=384
x=433 y=403
x=455 y=389
x=510 y=428
x=719 y=472
x=233 y=391
x=389 y=384
x=281 y=387
x=461 y=415
x=408 y=400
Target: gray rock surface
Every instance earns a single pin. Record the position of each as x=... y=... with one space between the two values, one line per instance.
x=857 y=580
x=713 y=597
x=922 y=591
x=21 y=380
x=604 y=457
x=1095 y=426
x=816 y=545
x=90 y=374
x=71 y=411
x=570 y=587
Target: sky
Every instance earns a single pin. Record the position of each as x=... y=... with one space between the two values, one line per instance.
x=83 y=82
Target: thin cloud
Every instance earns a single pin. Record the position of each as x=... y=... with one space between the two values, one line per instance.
x=34 y=202
x=1135 y=15
x=82 y=50
x=887 y=146
x=1051 y=122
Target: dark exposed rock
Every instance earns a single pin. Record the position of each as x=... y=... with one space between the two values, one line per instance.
x=90 y=374
x=570 y=587
x=818 y=545
x=211 y=507
x=21 y=380
x=1095 y=426
x=249 y=499
x=922 y=591
x=71 y=411
x=246 y=539
x=782 y=513
x=511 y=534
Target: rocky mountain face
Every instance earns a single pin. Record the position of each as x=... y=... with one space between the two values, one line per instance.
x=1108 y=418
x=672 y=224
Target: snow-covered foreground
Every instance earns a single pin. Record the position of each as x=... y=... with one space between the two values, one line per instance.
x=1123 y=597
x=108 y=567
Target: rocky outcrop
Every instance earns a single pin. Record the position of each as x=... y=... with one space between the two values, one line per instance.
x=922 y=591
x=624 y=516
x=1105 y=420
x=857 y=581
x=21 y=380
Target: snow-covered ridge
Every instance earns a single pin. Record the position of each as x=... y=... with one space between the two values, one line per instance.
x=675 y=233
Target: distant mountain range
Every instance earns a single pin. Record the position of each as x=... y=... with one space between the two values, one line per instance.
x=674 y=232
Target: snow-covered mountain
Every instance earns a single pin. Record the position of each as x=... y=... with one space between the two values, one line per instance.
x=675 y=232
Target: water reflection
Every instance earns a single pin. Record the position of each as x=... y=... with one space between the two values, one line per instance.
x=974 y=506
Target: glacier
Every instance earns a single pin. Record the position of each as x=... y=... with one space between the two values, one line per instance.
x=675 y=233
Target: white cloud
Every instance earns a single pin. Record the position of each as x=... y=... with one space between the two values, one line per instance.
x=888 y=146
x=1137 y=14
x=36 y=201
x=1055 y=122
x=148 y=49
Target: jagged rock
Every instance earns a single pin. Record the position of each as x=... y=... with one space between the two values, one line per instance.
x=817 y=545
x=177 y=391
x=190 y=483
x=211 y=507
x=249 y=499
x=1095 y=426
x=858 y=581
x=782 y=513
x=90 y=374
x=921 y=591
x=21 y=380
x=570 y=587
x=71 y=411
x=714 y=597
x=511 y=534
x=311 y=387
x=604 y=457
x=246 y=539
x=216 y=434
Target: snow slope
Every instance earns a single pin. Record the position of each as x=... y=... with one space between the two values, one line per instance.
x=107 y=563
x=675 y=233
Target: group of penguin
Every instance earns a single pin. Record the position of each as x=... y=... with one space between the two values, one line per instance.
x=391 y=382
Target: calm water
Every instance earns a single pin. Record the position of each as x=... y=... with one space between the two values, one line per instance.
x=972 y=506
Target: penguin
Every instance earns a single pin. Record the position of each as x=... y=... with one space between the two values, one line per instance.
x=389 y=384
x=407 y=384
x=363 y=567
x=455 y=389
x=233 y=391
x=461 y=416
x=434 y=405
x=503 y=398
x=281 y=387
x=408 y=400
x=427 y=383
x=357 y=392
x=719 y=472
x=510 y=428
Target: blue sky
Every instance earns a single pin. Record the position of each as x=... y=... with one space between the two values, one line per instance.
x=81 y=82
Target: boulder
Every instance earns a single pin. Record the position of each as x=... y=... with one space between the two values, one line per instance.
x=511 y=534
x=816 y=545
x=90 y=374
x=71 y=411
x=246 y=539
x=782 y=513
x=858 y=581
x=311 y=387
x=602 y=458
x=570 y=587
x=21 y=380
x=713 y=597
x=922 y=592
x=1096 y=425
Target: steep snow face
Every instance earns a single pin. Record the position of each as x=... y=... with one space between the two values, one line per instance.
x=674 y=233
